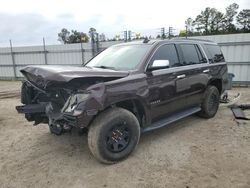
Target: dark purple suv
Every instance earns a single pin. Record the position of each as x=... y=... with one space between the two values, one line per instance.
x=126 y=90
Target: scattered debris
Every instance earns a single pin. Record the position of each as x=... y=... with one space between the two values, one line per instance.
x=238 y=111
x=245 y=106
x=228 y=100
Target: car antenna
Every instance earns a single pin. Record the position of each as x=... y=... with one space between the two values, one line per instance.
x=146 y=40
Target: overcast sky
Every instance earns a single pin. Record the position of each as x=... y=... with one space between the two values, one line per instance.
x=28 y=21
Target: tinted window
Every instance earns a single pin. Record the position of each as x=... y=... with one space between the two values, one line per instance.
x=214 y=53
x=166 y=52
x=191 y=54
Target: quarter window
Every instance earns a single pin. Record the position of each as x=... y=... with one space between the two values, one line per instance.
x=214 y=53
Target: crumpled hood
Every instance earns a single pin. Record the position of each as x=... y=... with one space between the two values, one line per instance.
x=67 y=73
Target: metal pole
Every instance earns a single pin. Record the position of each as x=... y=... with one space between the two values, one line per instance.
x=125 y=36
x=186 y=31
x=45 y=52
x=13 y=60
x=82 y=52
x=93 y=43
x=97 y=43
x=170 y=30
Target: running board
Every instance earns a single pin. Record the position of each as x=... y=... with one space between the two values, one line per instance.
x=171 y=119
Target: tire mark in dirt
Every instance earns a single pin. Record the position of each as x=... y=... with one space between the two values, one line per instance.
x=9 y=94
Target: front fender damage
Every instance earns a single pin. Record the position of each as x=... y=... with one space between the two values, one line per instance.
x=79 y=109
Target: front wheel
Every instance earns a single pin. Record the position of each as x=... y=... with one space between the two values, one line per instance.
x=210 y=103
x=113 y=135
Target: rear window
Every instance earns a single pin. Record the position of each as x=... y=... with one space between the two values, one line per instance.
x=214 y=53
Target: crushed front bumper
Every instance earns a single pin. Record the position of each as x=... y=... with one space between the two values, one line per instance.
x=80 y=120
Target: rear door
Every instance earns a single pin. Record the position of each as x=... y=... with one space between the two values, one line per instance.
x=195 y=71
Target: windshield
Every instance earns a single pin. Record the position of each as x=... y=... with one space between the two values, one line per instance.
x=120 y=57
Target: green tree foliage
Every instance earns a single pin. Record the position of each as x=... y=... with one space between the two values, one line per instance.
x=211 y=21
x=93 y=35
x=78 y=37
x=216 y=21
x=189 y=26
x=202 y=21
x=243 y=19
x=231 y=12
x=74 y=36
x=63 y=36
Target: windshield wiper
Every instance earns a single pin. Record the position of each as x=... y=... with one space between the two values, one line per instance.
x=105 y=67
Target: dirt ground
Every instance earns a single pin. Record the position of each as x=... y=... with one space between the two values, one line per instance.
x=193 y=152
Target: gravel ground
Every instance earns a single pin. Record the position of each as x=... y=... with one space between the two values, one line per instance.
x=193 y=152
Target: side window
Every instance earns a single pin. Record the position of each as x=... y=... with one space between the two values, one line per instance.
x=192 y=54
x=166 y=52
x=214 y=53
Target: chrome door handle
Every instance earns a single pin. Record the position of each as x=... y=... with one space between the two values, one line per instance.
x=206 y=71
x=181 y=76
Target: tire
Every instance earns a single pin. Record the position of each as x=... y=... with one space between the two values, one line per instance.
x=210 y=103
x=113 y=135
x=26 y=93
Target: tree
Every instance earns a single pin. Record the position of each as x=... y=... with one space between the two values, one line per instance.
x=231 y=12
x=217 y=21
x=209 y=21
x=92 y=34
x=202 y=21
x=74 y=36
x=102 y=37
x=182 y=33
x=198 y=23
x=63 y=36
x=243 y=19
x=189 y=26
x=78 y=37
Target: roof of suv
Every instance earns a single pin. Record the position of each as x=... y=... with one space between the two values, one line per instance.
x=156 y=41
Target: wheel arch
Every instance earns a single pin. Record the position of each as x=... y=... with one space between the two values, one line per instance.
x=136 y=107
x=217 y=83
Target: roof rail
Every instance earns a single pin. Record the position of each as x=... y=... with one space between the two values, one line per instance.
x=195 y=39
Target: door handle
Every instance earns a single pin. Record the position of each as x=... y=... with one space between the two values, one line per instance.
x=206 y=71
x=181 y=76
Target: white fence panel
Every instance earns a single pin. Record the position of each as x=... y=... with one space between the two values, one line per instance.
x=236 y=49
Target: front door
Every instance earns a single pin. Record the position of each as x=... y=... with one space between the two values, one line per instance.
x=165 y=83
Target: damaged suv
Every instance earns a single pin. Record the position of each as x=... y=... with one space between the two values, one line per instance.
x=126 y=90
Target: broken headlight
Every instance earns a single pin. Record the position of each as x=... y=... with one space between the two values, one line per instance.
x=73 y=101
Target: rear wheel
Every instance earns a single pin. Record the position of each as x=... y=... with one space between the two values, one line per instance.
x=113 y=135
x=210 y=103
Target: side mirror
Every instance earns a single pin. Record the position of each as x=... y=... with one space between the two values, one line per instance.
x=159 y=64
